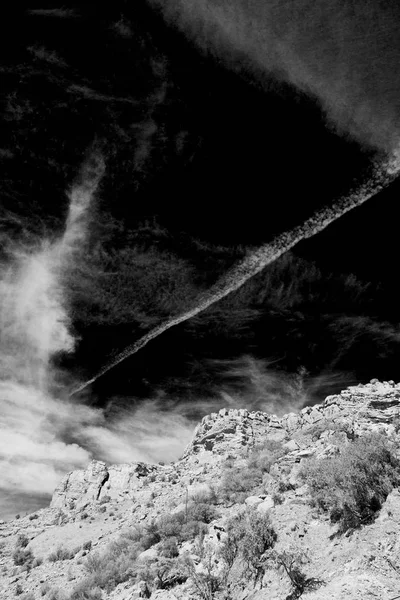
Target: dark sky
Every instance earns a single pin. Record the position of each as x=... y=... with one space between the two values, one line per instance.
x=219 y=155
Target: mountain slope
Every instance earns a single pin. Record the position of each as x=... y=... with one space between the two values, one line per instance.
x=193 y=527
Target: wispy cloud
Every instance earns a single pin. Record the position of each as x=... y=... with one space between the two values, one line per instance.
x=59 y=13
x=42 y=438
x=344 y=54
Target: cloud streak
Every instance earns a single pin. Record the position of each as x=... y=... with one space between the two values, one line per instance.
x=383 y=174
x=345 y=54
x=34 y=328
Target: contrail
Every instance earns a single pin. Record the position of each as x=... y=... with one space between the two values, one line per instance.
x=383 y=174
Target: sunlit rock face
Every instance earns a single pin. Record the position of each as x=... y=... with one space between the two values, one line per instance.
x=81 y=488
x=358 y=410
x=370 y=407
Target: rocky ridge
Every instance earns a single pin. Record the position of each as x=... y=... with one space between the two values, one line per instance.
x=99 y=503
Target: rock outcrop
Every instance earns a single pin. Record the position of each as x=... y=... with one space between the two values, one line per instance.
x=371 y=407
x=80 y=488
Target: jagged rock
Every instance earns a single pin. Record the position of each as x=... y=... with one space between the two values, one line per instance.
x=81 y=487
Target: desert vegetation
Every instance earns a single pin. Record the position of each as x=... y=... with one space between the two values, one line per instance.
x=352 y=486
x=62 y=554
x=291 y=562
x=23 y=556
x=249 y=537
x=238 y=482
x=216 y=539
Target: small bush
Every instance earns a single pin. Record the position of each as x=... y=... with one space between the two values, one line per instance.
x=284 y=486
x=353 y=485
x=169 y=548
x=105 y=499
x=266 y=455
x=86 y=590
x=107 y=570
x=22 y=541
x=44 y=588
x=161 y=573
x=87 y=545
x=239 y=482
x=192 y=529
x=23 y=557
x=186 y=525
x=55 y=594
x=204 y=495
x=170 y=525
x=144 y=535
x=250 y=536
x=202 y=511
x=33 y=517
x=277 y=498
x=94 y=562
x=291 y=563
x=62 y=554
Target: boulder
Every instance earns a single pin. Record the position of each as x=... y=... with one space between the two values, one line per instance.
x=266 y=505
x=253 y=501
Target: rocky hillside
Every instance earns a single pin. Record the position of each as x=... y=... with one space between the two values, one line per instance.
x=257 y=507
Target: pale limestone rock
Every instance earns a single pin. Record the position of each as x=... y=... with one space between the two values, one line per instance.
x=83 y=487
x=290 y=421
x=80 y=487
x=302 y=490
x=266 y=505
x=149 y=554
x=163 y=595
x=291 y=445
x=126 y=478
x=253 y=501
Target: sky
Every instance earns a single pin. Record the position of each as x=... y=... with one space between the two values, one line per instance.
x=148 y=152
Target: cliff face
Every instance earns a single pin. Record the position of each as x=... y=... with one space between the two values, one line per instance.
x=102 y=502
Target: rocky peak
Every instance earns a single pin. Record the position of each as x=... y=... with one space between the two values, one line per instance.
x=358 y=409
x=363 y=407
